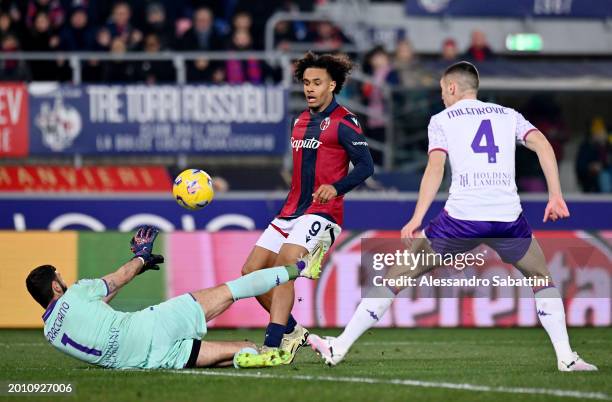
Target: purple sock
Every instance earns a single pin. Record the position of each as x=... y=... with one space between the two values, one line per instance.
x=274 y=335
x=291 y=323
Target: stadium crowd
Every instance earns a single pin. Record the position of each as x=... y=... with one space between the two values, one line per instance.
x=156 y=26
x=150 y=27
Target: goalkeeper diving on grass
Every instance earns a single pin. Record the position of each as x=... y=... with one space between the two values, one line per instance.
x=78 y=320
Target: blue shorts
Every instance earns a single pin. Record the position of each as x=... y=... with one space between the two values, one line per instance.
x=510 y=240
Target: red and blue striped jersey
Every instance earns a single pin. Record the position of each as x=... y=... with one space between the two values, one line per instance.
x=323 y=144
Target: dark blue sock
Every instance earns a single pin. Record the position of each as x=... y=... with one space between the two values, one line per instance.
x=291 y=323
x=274 y=335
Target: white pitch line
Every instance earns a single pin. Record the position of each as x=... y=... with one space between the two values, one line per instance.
x=20 y=344
x=465 y=342
x=409 y=383
x=376 y=381
x=370 y=343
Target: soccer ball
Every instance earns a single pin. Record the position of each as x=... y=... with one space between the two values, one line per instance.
x=193 y=189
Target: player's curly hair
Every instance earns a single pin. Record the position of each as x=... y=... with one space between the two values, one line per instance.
x=338 y=66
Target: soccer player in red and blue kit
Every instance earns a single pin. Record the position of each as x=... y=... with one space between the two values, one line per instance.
x=325 y=138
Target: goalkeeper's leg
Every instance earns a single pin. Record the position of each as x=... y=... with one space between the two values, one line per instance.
x=220 y=353
x=215 y=301
x=260 y=258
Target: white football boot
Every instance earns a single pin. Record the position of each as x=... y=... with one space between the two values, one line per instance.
x=577 y=364
x=331 y=354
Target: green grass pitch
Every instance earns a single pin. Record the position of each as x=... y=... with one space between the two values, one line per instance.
x=385 y=365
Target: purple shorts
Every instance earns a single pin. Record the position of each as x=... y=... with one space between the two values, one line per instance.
x=510 y=240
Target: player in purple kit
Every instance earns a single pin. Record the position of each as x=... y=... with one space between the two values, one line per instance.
x=325 y=138
x=483 y=206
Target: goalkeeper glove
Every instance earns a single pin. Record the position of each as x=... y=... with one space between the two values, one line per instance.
x=152 y=263
x=142 y=243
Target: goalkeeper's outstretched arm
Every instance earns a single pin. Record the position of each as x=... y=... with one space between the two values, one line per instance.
x=122 y=276
x=142 y=247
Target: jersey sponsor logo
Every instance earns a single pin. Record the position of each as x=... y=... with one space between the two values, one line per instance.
x=109 y=359
x=325 y=123
x=365 y=144
x=486 y=179
x=309 y=143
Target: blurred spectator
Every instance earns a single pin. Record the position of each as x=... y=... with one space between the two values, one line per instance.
x=378 y=65
x=12 y=70
x=300 y=28
x=544 y=112
x=7 y=26
x=242 y=21
x=52 y=8
x=156 y=23
x=94 y=70
x=220 y=185
x=41 y=38
x=479 y=49
x=203 y=70
x=409 y=70
x=249 y=70
x=15 y=9
x=328 y=37
x=202 y=35
x=219 y=9
x=529 y=177
x=593 y=166
x=260 y=12
x=120 y=27
x=450 y=53
x=118 y=70
x=284 y=35
x=155 y=71
x=103 y=40
x=78 y=35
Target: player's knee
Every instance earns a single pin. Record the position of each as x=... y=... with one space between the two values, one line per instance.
x=248 y=268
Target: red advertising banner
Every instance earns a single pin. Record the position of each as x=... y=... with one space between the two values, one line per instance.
x=86 y=179
x=579 y=262
x=14 y=120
